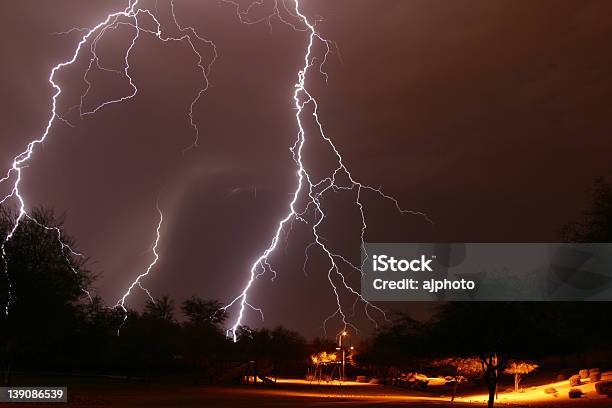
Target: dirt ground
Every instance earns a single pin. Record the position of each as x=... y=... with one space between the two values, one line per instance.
x=290 y=394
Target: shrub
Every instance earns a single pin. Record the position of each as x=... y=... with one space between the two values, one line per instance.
x=604 y=388
x=574 y=380
x=550 y=390
x=595 y=376
x=575 y=393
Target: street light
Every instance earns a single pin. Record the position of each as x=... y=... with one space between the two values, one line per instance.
x=344 y=333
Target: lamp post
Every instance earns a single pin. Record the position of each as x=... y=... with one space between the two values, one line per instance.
x=342 y=334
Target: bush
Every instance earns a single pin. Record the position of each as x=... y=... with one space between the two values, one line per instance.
x=595 y=376
x=604 y=388
x=574 y=380
x=584 y=374
x=575 y=393
x=550 y=390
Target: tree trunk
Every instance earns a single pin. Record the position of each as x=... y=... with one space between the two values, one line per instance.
x=491 y=381
x=455 y=389
x=517 y=380
x=493 y=365
x=492 y=388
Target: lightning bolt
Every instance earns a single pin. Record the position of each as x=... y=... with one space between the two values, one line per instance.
x=306 y=205
x=131 y=16
x=314 y=190
x=138 y=281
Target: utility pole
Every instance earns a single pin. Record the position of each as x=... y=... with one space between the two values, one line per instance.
x=344 y=333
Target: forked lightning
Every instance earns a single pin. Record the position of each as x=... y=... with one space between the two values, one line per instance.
x=306 y=205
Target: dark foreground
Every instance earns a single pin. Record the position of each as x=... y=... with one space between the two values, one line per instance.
x=119 y=395
x=285 y=394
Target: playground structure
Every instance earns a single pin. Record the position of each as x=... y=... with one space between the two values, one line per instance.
x=326 y=367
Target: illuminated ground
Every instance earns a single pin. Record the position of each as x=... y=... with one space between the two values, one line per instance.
x=302 y=394
x=536 y=397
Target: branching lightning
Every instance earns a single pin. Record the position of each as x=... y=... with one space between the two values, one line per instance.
x=131 y=16
x=315 y=190
x=306 y=204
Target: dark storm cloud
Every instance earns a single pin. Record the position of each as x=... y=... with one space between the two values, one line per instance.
x=493 y=117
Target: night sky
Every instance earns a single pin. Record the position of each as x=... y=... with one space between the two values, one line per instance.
x=493 y=117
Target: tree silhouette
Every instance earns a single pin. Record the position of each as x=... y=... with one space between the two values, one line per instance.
x=596 y=224
x=279 y=349
x=460 y=368
x=160 y=309
x=493 y=331
x=399 y=345
x=53 y=324
x=202 y=312
x=48 y=283
x=203 y=336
